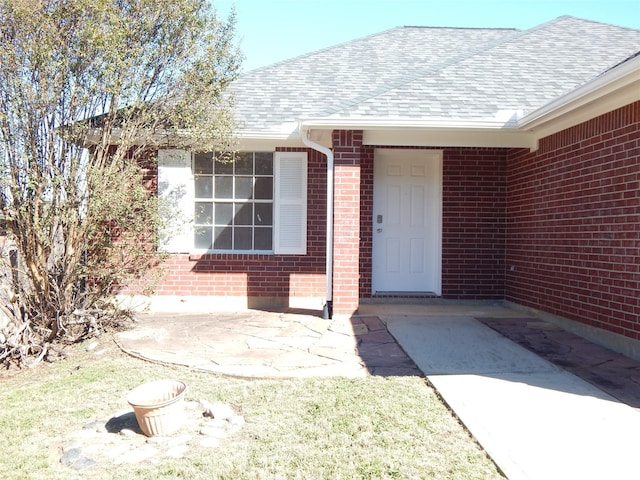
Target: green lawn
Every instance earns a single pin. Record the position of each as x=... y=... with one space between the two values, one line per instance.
x=320 y=428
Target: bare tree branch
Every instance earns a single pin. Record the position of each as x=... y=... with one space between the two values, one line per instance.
x=88 y=89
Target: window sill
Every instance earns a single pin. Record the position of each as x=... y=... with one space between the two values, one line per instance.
x=196 y=256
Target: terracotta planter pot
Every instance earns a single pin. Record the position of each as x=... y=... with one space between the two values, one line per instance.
x=158 y=406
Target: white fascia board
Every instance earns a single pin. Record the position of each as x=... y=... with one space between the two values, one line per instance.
x=430 y=132
x=394 y=136
x=266 y=141
x=390 y=123
x=614 y=89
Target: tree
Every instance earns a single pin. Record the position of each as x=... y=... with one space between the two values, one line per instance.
x=88 y=90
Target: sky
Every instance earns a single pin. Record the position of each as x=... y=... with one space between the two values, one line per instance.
x=270 y=31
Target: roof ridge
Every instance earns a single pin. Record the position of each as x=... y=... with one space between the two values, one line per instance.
x=422 y=73
x=372 y=35
x=320 y=50
x=449 y=62
x=457 y=28
x=587 y=20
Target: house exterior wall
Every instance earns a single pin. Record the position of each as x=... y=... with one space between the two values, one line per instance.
x=349 y=153
x=473 y=222
x=557 y=230
x=473 y=237
x=573 y=231
x=263 y=280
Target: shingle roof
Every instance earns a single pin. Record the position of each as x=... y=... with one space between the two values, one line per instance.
x=427 y=73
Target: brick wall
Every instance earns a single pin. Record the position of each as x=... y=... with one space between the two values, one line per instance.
x=473 y=223
x=271 y=276
x=348 y=154
x=557 y=229
x=241 y=275
x=366 y=221
x=473 y=210
x=573 y=234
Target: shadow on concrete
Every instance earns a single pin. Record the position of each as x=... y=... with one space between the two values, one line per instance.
x=518 y=351
x=379 y=351
x=611 y=372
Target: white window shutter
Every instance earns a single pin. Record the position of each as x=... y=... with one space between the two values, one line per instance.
x=290 y=203
x=176 y=194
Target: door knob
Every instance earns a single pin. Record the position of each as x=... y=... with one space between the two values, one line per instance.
x=379 y=230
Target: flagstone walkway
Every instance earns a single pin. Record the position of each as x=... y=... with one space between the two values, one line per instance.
x=269 y=344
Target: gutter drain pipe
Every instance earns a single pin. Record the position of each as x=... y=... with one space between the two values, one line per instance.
x=327 y=310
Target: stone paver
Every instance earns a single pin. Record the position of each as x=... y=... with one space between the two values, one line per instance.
x=293 y=344
x=611 y=372
x=119 y=440
x=269 y=344
x=497 y=388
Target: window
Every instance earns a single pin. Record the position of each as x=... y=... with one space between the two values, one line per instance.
x=255 y=203
x=233 y=201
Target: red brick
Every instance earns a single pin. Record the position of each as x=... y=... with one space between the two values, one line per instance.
x=573 y=225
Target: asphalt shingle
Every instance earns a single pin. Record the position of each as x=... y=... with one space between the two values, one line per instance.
x=433 y=73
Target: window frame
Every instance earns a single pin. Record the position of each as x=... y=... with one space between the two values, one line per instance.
x=177 y=198
x=234 y=201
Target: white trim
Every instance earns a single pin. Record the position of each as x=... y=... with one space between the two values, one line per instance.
x=622 y=80
x=397 y=136
x=502 y=120
x=249 y=144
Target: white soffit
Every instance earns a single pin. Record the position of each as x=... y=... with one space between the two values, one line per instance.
x=507 y=138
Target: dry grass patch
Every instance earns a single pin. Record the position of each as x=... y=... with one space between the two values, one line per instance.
x=319 y=428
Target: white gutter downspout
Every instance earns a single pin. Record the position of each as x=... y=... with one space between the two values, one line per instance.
x=328 y=308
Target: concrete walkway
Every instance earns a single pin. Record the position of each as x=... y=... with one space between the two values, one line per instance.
x=534 y=418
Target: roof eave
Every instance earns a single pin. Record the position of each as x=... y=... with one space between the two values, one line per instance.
x=431 y=132
x=616 y=88
x=399 y=132
x=399 y=123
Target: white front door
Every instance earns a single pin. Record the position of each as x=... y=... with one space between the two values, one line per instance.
x=407 y=225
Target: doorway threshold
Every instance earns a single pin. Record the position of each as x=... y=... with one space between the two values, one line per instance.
x=401 y=297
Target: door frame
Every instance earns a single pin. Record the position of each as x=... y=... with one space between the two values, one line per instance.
x=437 y=155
